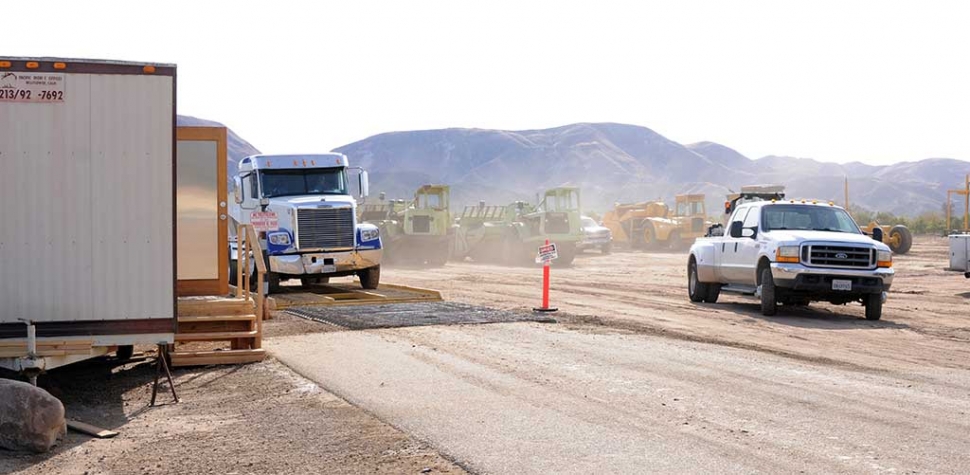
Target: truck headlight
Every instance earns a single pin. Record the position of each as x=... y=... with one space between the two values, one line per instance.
x=370 y=234
x=884 y=258
x=787 y=254
x=279 y=239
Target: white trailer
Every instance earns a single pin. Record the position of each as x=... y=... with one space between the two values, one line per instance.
x=87 y=231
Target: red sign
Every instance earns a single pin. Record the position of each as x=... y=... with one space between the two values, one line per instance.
x=264 y=221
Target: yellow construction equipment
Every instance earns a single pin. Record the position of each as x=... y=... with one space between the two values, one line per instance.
x=652 y=224
x=897 y=237
x=965 y=193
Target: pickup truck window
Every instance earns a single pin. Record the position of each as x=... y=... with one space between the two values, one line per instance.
x=751 y=220
x=807 y=218
x=738 y=215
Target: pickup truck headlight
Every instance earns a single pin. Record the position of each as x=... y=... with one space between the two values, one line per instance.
x=370 y=234
x=884 y=258
x=279 y=239
x=787 y=254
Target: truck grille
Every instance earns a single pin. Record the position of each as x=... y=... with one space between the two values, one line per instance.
x=325 y=228
x=421 y=224
x=822 y=255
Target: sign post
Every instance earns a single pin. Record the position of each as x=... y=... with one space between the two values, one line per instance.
x=547 y=253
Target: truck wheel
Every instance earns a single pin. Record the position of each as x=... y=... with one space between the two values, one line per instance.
x=673 y=241
x=606 y=248
x=125 y=352
x=903 y=237
x=370 y=278
x=273 y=279
x=696 y=290
x=649 y=237
x=566 y=255
x=233 y=269
x=713 y=292
x=769 y=302
x=873 y=305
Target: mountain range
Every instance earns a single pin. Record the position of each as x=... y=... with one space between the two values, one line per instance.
x=623 y=163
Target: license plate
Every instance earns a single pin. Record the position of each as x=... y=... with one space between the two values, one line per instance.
x=333 y=268
x=841 y=284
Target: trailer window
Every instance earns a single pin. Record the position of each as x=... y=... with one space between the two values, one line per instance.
x=320 y=181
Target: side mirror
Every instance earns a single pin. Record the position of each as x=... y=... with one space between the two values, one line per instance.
x=737 y=229
x=877 y=234
x=364 y=182
x=237 y=190
x=751 y=232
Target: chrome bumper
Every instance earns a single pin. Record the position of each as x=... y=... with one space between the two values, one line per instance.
x=316 y=262
x=781 y=271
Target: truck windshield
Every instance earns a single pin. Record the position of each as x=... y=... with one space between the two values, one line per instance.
x=807 y=218
x=314 y=181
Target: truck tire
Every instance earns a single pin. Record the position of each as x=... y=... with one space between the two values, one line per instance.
x=698 y=291
x=713 y=292
x=606 y=248
x=904 y=237
x=673 y=241
x=125 y=352
x=273 y=279
x=370 y=278
x=648 y=237
x=769 y=301
x=873 y=305
x=567 y=253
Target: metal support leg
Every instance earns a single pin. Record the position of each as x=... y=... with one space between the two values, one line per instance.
x=161 y=362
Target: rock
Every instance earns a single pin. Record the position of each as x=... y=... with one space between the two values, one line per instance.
x=30 y=418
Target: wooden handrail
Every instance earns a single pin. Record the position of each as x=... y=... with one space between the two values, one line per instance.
x=249 y=248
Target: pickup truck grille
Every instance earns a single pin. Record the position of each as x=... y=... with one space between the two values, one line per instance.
x=849 y=257
x=325 y=228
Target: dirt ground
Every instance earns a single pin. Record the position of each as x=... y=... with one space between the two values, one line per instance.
x=925 y=323
x=254 y=419
x=263 y=418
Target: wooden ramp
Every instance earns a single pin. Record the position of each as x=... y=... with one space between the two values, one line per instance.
x=348 y=294
x=217 y=330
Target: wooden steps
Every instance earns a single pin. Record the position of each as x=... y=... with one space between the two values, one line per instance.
x=200 y=358
x=204 y=320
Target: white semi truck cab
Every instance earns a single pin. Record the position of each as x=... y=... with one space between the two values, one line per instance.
x=317 y=235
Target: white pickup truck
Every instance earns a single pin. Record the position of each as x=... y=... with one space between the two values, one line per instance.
x=792 y=252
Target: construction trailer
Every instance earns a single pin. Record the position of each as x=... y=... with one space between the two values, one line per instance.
x=88 y=240
x=417 y=230
x=512 y=234
x=652 y=224
x=89 y=251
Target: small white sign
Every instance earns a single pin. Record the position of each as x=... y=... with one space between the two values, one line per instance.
x=31 y=87
x=547 y=253
x=264 y=221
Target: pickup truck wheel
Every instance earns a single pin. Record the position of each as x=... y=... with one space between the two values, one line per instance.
x=370 y=278
x=713 y=292
x=696 y=290
x=606 y=248
x=873 y=305
x=769 y=302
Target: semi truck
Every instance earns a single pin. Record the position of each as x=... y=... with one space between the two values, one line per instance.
x=88 y=240
x=306 y=217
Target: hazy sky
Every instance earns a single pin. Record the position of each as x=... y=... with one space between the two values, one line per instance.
x=876 y=81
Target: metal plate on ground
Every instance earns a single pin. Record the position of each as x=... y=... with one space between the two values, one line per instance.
x=411 y=314
x=348 y=294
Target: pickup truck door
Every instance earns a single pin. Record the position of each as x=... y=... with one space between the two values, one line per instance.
x=726 y=251
x=748 y=249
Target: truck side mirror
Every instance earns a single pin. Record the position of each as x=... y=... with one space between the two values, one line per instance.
x=737 y=228
x=364 y=182
x=877 y=233
x=237 y=189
